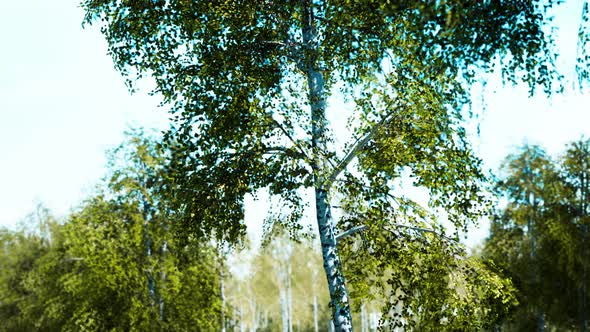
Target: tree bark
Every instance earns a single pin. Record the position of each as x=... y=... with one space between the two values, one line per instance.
x=317 y=96
x=583 y=207
x=148 y=250
x=289 y=295
x=315 y=313
x=284 y=310
x=222 y=291
x=363 y=319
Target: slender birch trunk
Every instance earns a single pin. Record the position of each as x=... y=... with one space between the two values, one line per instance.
x=284 y=314
x=583 y=207
x=289 y=296
x=583 y=320
x=148 y=251
x=363 y=319
x=163 y=252
x=254 y=308
x=315 y=313
x=317 y=96
x=222 y=291
x=242 y=325
x=537 y=276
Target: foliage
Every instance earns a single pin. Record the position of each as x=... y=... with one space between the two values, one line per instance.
x=538 y=235
x=233 y=74
x=19 y=254
x=112 y=265
x=231 y=71
x=276 y=285
x=425 y=280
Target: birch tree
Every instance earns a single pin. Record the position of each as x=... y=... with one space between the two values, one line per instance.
x=576 y=169
x=249 y=85
x=538 y=237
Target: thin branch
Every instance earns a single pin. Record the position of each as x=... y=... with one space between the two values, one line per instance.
x=351 y=231
x=275 y=149
x=293 y=52
x=361 y=228
x=72 y=259
x=356 y=148
x=275 y=42
x=425 y=230
x=286 y=133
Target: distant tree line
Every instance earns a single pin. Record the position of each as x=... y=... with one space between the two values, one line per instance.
x=539 y=236
x=112 y=264
x=117 y=262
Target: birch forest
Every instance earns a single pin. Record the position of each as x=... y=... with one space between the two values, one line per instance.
x=319 y=171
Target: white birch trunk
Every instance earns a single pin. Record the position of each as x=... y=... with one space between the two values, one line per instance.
x=289 y=297
x=317 y=96
x=253 y=306
x=148 y=251
x=163 y=252
x=242 y=325
x=284 y=310
x=315 y=313
x=222 y=291
x=364 y=327
x=583 y=208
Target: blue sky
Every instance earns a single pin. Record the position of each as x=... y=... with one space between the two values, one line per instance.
x=62 y=105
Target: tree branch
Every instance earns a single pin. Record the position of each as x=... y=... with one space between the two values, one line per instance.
x=351 y=231
x=361 y=228
x=286 y=133
x=424 y=230
x=293 y=52
x=72 y=259
x=356 y=148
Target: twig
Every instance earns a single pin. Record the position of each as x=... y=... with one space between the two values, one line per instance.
x=426 y=230
x=351 y=231
x=286 y=133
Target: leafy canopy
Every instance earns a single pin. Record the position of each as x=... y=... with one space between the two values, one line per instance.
x=232 y=73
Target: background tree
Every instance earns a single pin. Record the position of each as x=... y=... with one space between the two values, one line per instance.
x=272 y=299
x=104 y=267
x=421 y=278
x=249 y=82
x=537 y=237
x=568 y=222
x=21 y=309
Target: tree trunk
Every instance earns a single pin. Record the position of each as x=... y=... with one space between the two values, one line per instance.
x=254 y=308
x=284 y=309
x=163 y=252
x=315 y=313
x=289 y=296
x=317 y=96
x=583 y=309
x=332 y=266
x=535 y=269
x=583 y=317
x=222 y=291
x=148 y=251
x=541 y=322
x=363 y=319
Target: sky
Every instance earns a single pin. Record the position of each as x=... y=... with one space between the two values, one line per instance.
x=62 y=105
